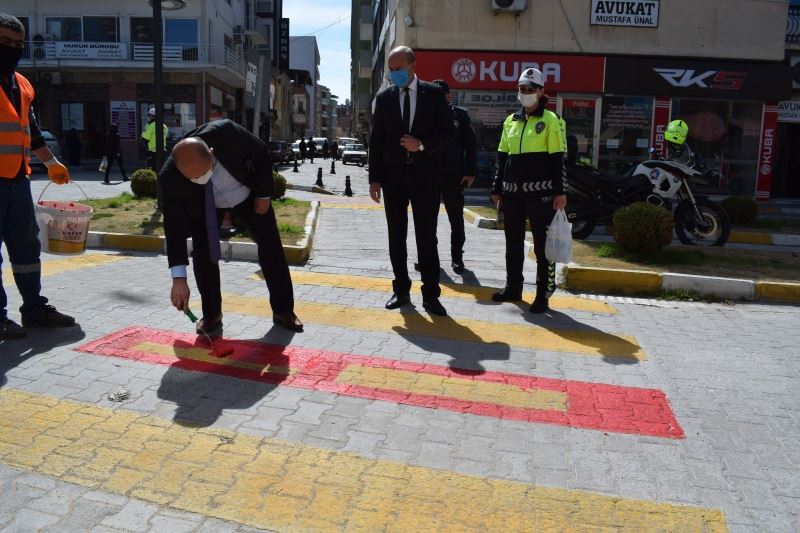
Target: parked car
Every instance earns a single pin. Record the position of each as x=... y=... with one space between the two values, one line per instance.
x=319 y=141
x=342 y=142
x=281 y=152
x=52 y=143
x=296 y=149
x=355 y=153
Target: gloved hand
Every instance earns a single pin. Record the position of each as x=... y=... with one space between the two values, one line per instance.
x=57 y=172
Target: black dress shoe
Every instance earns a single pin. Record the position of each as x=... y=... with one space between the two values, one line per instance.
x=434 y=307
x=11 y=330
x=507 y=295
x=288 y=320
x=211 y=327
x=397 y=300
x=46 y=317
x=539 y=305
x=458 y=266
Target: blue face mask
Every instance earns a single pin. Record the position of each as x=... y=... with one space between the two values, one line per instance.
x=399 y=77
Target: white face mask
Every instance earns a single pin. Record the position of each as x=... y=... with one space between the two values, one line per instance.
x=202 y=180
x=528 y=100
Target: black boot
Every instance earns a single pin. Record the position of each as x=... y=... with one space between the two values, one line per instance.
x=539 y=305
x=507 y=295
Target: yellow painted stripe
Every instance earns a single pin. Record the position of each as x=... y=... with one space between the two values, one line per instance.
x=458 y=388
x=750 y=237
x=778 y=291
x=362 y=207
x=271 y=484
x=449 y=290
x=615 y=281
x=57 y=266
x=585 y=342
x=207 y=356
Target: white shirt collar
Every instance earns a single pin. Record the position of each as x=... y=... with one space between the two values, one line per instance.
x=412 y=87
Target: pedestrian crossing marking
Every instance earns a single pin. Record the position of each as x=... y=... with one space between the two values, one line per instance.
x=449 y=290
x=289 y=486
x=493 y=394
x=592 y=343
x=58 y=266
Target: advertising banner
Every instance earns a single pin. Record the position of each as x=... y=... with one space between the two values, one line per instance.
x=704 y=78
x=82 y=50
x=492 y=70
x=766 y=153
x=661 y=113
x=123 y=114
x=283 y=45
x=635 y=13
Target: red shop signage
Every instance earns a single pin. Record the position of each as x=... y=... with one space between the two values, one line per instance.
x=766 y=153
x=495 y=70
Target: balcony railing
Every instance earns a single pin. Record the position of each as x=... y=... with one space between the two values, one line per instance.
x=793 y=25
x=114 y=51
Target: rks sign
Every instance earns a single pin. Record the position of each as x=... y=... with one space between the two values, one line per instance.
x=709 y=79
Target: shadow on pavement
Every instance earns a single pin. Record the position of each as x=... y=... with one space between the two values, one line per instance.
x=464 y=360
x=38 y=341
x=203 y=389
x=571 y=330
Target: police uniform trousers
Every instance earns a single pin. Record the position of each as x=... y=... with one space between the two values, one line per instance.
x=539 y=211
x=264 y=231
x=453 y=198
x=423 y=194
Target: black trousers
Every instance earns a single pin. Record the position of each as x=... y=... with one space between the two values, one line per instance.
x=151 y=161
x=264 y=231
x=118 y=158
x=539 y=211
x=423 y=194
x=453 y=198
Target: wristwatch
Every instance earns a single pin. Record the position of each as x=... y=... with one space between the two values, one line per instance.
x=421 y=147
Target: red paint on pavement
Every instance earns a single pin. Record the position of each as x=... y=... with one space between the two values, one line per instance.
x=589 y=405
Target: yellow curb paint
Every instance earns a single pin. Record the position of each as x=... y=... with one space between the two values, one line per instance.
x=750 y=237
x=470 y=216
x=778 y=291
x=458 y=388
x=449 y=290
x=207 y=356
x=58 y=266
x=363 y=207
x=584 y=342
x=140 y=243
x=613 y=280
x=272 y=484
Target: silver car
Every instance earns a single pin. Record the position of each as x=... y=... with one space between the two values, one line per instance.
x=52 y=143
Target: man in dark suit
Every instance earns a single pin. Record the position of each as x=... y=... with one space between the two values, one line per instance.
x=216 y=168
x=410 y=125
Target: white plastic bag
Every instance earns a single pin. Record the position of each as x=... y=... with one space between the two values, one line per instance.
x=103 y=164
x=558 y=248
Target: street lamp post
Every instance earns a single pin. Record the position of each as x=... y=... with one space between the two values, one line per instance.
x=158 y=39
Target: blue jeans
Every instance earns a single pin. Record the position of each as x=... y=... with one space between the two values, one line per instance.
x=20 y=234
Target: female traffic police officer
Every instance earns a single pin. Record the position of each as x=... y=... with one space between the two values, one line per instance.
x=530 y=182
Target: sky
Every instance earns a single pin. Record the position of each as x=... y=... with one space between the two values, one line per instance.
x=308 y=17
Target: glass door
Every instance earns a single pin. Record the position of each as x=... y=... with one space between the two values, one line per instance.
x=583 y=121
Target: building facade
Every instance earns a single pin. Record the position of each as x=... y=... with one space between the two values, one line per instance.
x=617 y=79
x=91 y=63
x=361 y=29
x=344 y=119
x=305 y=57
x=327 y=113
x=786 y=182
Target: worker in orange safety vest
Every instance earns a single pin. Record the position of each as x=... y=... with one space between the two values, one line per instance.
x=19 y=136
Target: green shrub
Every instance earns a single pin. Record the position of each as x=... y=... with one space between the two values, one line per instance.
x=279 y=189
x=143 y=183
x=642 y=227
x=741 y=209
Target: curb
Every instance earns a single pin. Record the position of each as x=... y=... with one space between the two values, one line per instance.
x=230 y=250
x=638 y=282
x=736 y=236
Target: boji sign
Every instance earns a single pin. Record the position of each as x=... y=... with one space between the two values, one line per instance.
x=637 y=13
x=488 y=70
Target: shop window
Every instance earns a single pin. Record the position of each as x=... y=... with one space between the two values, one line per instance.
x=64 y=28
x=142 y=30
x=625 y=128
x=101 y=29
x=184 y=33
x=180 y=118
x=72 y=116
x=724 y=136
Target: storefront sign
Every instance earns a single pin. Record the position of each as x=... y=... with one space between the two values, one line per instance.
x=487 y=70
x=766 y=154
x=638 y=13
x=705 y=79
x=250 y=80
x=789 y=111
x=123 y=114
x=283 y=45
x=630 y=113
x=81 y=50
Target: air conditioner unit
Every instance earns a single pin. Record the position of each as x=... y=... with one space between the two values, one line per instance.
x=50 y=78
x=515 y=6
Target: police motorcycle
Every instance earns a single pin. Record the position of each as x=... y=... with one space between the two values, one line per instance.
x=594 y=196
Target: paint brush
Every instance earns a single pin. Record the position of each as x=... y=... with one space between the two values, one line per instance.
x=224 y=353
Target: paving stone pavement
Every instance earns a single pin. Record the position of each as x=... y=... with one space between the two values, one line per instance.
x=72 y=460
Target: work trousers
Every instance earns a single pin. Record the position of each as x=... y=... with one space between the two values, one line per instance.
x=453 y=198
x=116 y=157
x=264 y=231
x=539 y=211
x=423 y=194
x=19 y=232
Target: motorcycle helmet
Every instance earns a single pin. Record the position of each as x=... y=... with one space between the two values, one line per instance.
x=676 y=133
